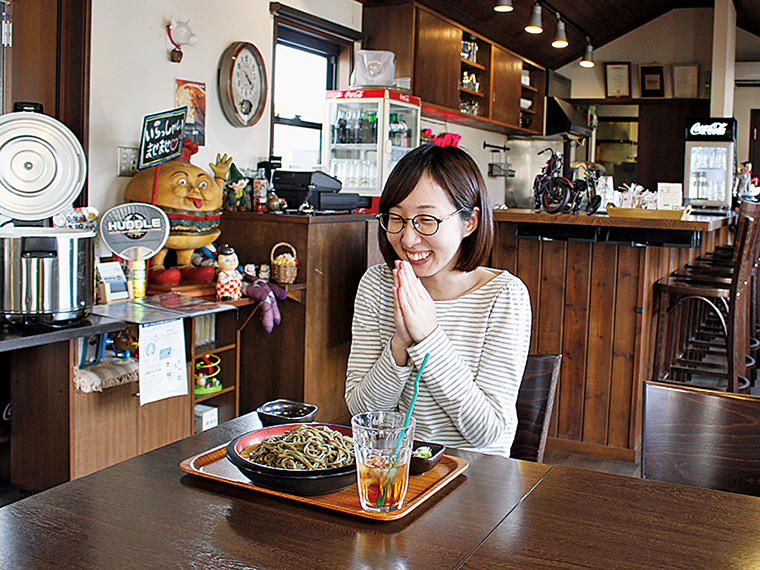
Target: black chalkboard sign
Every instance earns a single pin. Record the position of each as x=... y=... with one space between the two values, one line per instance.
x=161 y=137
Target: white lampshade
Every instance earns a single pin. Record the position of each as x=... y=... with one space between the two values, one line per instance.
x=503 y=6
x=588 y=57
x=534 y=24
x=560 y=40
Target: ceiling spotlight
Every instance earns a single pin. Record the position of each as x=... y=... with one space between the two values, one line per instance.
x=588 y=56
x=503 y=6
x=560 y=40
x=534 y=24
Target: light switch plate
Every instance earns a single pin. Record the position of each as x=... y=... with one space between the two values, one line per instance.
x=127 y=161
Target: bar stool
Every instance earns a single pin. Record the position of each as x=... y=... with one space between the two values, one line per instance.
x=702 y=326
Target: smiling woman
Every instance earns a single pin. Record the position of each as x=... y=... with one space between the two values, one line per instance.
x=434 y=296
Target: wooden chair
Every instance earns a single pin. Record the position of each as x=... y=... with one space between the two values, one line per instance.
x=534 y=406
x=702 y=438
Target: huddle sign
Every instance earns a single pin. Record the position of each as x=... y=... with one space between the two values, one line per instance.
x=162 y=137
x=135 y=231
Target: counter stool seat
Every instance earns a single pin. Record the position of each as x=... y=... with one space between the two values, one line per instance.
x=702 y=326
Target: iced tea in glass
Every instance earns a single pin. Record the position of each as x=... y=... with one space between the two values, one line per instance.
x=383 y=449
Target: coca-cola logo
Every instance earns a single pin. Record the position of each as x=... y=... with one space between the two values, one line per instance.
x=715 y=129
x=404 y=98
x=354 y=94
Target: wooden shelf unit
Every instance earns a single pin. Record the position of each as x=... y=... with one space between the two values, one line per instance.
x=428 y=49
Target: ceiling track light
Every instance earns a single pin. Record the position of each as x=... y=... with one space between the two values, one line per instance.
x=588 y=56
x=560 y=39
x=503 y=6
x=534 y=24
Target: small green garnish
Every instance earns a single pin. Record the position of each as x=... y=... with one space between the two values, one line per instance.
x=423 y=452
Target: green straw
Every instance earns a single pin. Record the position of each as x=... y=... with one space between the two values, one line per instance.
x=381 y=498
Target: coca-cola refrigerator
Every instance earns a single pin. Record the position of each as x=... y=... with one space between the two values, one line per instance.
x=367 y=132
x=710 y=164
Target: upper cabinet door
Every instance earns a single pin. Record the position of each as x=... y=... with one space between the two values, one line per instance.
x=505 y=97
x=436 y=69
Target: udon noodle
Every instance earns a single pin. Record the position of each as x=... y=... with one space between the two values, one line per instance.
x=303 y=447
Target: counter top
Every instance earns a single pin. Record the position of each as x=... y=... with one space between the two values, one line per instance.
x=13 y=337
x=320 y=218
x=692 y=223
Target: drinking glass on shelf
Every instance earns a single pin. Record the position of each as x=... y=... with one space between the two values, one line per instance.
x=383 y=451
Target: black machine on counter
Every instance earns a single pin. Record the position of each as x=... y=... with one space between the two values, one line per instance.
x=316 y=188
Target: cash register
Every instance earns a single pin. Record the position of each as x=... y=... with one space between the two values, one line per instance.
x=317 y=189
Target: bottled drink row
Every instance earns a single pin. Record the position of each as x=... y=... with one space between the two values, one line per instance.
x=709 y=157
x=359 y=126
x=700 y=186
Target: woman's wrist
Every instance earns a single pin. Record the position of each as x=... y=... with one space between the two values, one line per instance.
x=398 y=350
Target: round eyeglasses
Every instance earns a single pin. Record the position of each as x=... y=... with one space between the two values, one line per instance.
x=424 y=224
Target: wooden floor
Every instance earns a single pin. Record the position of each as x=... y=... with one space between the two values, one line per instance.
x=592 y=463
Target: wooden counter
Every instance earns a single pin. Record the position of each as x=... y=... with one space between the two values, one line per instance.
x=591 y=288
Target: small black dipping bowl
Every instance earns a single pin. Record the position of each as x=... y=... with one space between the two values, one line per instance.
x=292 y=481
x=419 y=464
x=279 y=412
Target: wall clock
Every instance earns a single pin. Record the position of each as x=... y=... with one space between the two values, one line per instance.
x=242 y=82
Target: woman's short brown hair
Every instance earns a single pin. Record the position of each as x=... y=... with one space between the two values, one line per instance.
x=456 y=173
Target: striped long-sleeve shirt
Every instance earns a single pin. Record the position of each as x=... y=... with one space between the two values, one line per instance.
x=469 y=386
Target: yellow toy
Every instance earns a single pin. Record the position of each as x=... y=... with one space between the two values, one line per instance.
x=192 y=200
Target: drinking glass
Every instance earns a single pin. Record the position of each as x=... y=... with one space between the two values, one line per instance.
x=383 y=450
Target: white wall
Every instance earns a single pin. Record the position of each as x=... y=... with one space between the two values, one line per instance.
x=682 y=35
x=745 y=99
x=131 y=75
x=472 y=142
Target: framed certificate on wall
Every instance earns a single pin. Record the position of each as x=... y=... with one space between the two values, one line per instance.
x=686 y=81
x=617 y=79
x=652 y=81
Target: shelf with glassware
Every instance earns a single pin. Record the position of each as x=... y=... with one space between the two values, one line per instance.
x=532 y=97
x=475 y=57
x=369 y=131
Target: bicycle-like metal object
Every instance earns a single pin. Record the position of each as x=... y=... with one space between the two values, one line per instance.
x=550 y=189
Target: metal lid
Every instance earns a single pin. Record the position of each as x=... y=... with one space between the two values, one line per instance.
x=42 y=166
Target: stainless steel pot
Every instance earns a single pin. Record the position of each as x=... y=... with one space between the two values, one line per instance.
x=47 y=274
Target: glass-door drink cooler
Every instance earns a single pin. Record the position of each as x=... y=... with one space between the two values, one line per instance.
x=710 y=163
x=368 y=131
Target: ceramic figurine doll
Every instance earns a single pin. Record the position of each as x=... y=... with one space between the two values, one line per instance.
x=229 y=282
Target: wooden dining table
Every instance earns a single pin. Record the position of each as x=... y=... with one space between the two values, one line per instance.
x=500 y=513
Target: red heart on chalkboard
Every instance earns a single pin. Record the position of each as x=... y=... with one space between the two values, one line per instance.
x=174 y=144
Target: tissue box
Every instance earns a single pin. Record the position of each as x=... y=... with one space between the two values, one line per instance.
x=206 y=417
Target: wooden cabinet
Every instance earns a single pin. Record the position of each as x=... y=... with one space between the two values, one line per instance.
x=438 y=47
x=60 y=433
x=304 y=358
x=433 y=51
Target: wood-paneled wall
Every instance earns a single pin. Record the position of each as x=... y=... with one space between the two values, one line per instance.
x=593 y=303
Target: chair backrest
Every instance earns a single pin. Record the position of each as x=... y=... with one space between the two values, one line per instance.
x=534 y=406
x=702 y=438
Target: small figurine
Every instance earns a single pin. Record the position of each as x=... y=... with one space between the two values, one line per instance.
x=229 y=282
x=264 y=272
x=237 y=192
x=274 y=203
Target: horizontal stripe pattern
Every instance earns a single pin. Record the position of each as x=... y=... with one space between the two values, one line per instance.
x=469 y=386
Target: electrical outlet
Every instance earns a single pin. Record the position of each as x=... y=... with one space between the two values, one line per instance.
x=127 y=161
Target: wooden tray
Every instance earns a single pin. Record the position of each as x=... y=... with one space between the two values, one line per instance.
x=615 y=212
x=213 y=464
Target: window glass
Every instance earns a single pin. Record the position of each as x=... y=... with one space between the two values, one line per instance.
x=301 y=82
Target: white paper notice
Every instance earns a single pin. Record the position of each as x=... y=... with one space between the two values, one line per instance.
x=669 y=196
x=163 y=368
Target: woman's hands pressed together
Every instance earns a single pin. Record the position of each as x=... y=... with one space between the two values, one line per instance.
x=414 y=311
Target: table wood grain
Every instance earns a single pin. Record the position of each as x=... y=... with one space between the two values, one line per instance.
x=147 y=513
x=584 y=519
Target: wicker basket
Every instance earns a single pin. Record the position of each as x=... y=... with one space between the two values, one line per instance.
x=283 y=273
